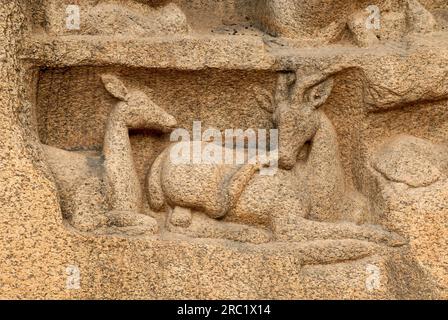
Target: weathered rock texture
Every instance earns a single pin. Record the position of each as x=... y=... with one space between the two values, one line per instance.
x=93 y=206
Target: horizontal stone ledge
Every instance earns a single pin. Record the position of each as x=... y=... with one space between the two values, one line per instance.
x=182 y=52
x=196 y=52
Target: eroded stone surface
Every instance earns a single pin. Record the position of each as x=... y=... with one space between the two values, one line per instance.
x=88 y=184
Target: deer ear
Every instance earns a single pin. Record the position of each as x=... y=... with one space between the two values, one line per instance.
x=114 y=86
x=264 y=100
x=319 y=93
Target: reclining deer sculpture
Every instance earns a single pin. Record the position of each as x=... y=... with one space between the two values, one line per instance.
x=104 y=192
x=303 y=201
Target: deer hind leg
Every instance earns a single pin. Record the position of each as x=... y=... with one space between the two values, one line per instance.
x=154 y=190
x=87 y=205
x=309 y=230
x=179 y=216
x=130 y=223
x=202 y=226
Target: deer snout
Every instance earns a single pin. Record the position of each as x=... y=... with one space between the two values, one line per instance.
x=286 y=161
x=169 y=123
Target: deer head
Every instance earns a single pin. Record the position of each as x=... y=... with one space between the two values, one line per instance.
x=297 y=116
x=135 y=109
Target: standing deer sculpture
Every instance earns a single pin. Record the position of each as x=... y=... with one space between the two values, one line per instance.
x=303 y=201
x=104 y=192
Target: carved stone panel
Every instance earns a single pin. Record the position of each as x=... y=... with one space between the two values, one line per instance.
x=224 y=149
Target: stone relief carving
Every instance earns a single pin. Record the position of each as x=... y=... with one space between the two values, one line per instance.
x=163 y=18
x=332 y=22
x=111 y=176
x=412 y=161
x=361 y=157
x=310 y=184
x=144 y=18
x=303 y=201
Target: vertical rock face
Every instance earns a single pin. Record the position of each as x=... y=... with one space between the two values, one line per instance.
x=304 y=142
x=29 y=204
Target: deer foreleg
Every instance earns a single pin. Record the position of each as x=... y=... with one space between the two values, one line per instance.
x=123 y=187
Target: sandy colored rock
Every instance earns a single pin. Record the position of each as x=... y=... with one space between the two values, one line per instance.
x=412 y=161
x=91 y=195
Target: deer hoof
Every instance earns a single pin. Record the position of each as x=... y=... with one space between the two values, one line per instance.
x=131 y=223
x=146 y=225
x=181 y=217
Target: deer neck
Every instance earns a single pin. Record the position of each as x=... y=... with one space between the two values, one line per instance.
x=325 y=174
x=123 y=185
x=116 y=140
x=324 y=146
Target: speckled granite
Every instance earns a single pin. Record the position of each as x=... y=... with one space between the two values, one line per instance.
x=369 y=222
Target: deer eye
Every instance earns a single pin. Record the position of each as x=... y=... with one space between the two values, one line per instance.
x=313 y=94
